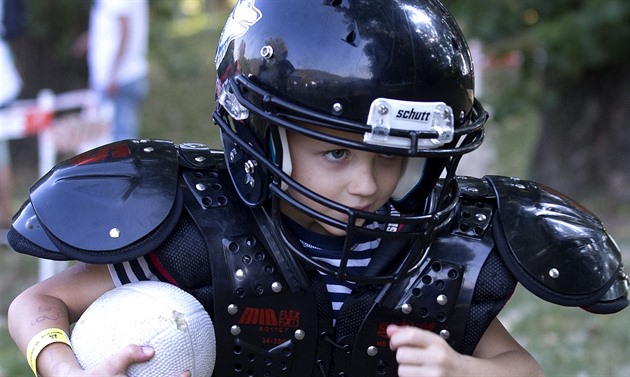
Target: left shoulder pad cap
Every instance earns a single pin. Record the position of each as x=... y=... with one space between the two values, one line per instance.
x=110 y=204
x=556 y=248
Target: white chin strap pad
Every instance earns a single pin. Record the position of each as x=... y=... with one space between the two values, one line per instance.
x=287 y=167
x=410 y=177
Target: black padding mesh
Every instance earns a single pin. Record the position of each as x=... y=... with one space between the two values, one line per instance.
x=324 y=306
x=23 y=245
x=494 y=288
x=353 y=312
x=183 y=254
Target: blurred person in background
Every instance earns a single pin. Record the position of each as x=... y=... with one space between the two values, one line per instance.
x=12 y=17
x=117 y=46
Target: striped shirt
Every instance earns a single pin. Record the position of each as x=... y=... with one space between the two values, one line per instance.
x=328 y=249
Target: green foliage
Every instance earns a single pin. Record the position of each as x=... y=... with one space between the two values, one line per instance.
x=57 y=23
x=576 y=35
x=586 y=38
x=561 y=39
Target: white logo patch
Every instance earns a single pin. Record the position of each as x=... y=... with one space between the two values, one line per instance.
x=244 y=15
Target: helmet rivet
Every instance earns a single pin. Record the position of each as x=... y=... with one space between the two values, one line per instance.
x=149 y=149
x=200 y=187
x=250 y=169
x=337 y=109
x=200 y=159
x=266 y=52
x=250 y=166
x=382 y=109
x=554 y=273
x=235 y=330
x=462 y=115
x=233 y=154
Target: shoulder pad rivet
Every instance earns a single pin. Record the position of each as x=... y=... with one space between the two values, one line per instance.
x=481 y=217
x=232 y=309
x=442 y=299
x=276 y=286
x=299 y=334
x=554 y=273
x=114 y=233
x=240 y=274
x=235 y=330
x=445 y=334
x=406 y=308
x=372 y=351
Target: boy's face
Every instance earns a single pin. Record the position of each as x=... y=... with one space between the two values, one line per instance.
x=357 y=179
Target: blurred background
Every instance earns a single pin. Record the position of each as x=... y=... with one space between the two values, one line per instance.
x=555 y=76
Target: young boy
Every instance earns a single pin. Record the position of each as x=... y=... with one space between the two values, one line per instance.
x=325 y=209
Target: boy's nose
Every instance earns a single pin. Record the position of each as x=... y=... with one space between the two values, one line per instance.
x=363 y=181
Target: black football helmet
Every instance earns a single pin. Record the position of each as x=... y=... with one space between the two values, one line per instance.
x=398 y=73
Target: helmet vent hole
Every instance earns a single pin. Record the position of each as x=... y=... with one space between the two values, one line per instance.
x=351 y=37
x=455 y=44
x=336 y=3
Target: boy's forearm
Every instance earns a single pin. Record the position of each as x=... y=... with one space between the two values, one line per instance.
x=510 y=363
x=36 y=323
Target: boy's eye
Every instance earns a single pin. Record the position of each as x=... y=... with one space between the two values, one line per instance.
x=336 y=154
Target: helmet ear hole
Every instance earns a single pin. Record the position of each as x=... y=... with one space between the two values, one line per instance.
x=250 y=178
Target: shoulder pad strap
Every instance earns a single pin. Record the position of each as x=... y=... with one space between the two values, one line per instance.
x=112 y=203
x=556 y=248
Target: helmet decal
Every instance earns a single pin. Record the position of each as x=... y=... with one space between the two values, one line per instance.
x=244 y=15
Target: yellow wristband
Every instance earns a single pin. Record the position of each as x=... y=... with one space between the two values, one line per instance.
x=41 y=340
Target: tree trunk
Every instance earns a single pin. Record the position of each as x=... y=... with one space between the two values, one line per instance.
x=583 y=148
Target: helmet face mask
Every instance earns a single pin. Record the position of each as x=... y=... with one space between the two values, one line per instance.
x=273 y=78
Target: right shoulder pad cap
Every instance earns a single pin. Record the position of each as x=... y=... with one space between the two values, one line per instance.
x=556 y=248
x=113 y=203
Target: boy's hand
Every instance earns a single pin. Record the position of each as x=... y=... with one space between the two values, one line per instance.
x=422 y=353
x=118 y=364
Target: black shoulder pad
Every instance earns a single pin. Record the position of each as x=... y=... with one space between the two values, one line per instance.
x=112 y=203
x=556 y=248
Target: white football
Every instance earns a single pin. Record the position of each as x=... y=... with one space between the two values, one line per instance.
x=150 y=313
